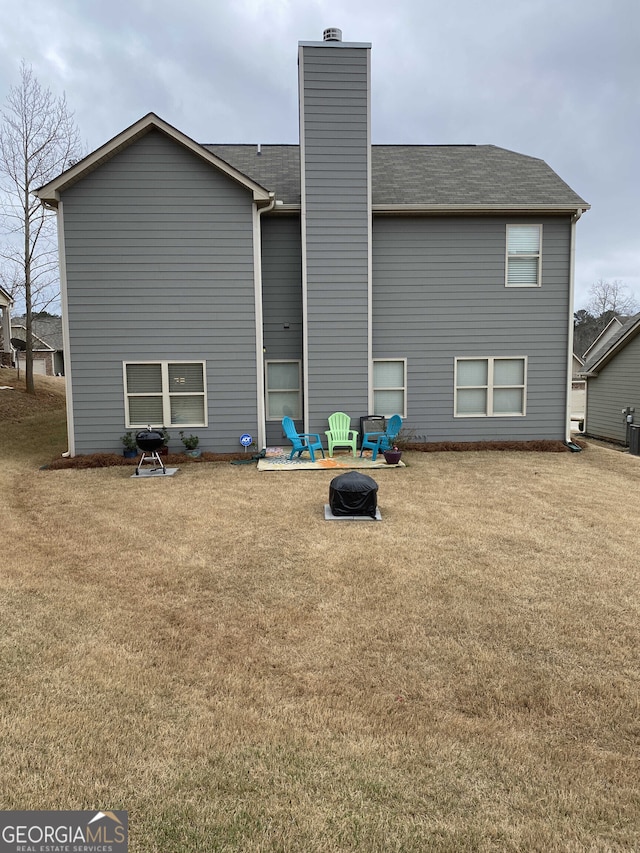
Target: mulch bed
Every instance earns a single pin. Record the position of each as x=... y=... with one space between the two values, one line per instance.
x=117 y=460
x=542 y=446
x=112 y=460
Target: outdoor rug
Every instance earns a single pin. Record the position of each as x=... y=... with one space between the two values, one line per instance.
x=277 y=459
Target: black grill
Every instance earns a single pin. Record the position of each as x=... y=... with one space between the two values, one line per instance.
x=150 y=441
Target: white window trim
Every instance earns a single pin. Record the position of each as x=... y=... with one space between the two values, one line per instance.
x=402 y=388
x=537 y=255
x=269 y=390
x=490 y=387
x=165 y=393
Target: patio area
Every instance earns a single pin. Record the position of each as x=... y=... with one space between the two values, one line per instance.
x=277 y=459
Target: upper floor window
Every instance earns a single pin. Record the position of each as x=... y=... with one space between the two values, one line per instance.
x=284 y=390
x=165 y=393
x=390 y=386
x=490 y=387
x=524 y=248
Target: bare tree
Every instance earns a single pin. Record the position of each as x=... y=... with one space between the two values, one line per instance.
x=611 y=296
x=38 y=140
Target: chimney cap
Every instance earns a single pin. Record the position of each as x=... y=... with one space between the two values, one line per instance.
x=332 y=34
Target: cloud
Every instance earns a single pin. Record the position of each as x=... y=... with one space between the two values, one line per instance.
x=556 y=80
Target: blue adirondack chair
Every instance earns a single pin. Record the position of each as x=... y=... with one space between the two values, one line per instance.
x=381 y=441
x=340 y=433
x=304 y=441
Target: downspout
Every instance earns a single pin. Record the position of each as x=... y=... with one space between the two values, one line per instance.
x=257 y=267
x=572 y=257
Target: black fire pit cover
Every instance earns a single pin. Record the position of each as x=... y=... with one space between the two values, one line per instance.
x=353 y=494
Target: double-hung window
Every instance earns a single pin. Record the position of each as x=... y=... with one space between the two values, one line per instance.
x=490 y=387
x=390 y=386
x=165 y=393
x=284 y=390
x=524 y=252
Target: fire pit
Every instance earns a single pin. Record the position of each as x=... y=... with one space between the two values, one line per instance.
x=150 y=441
x=353 y=495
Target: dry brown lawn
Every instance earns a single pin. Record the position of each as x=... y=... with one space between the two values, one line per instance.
x=208 y=653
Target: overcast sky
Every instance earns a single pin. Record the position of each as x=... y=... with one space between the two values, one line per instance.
x=555 y=79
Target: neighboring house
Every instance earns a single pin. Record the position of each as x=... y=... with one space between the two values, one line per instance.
x=578 y=391
x=48 y=350
x=613 y=384
x=6 y=301
x=606 y=335
x=576 y=369
x=219 y=287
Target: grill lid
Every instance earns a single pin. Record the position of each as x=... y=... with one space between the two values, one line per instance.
x=149 y=439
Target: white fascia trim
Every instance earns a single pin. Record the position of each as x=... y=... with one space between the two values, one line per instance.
x=479 y=208
x=6 y=300
x=45 y=346
x=594 y=345
x=50 y=193
x=258 y=311
x=66 y=345
x=334 y=44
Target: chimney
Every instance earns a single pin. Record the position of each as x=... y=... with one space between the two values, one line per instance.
x=335 y=178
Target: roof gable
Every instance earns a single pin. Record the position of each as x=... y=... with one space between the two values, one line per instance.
x=48 y=330
x=6 y=300
x=607 y=334
x=627 y=333
x=50 y=193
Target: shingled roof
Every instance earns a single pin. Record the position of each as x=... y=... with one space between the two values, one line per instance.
x=422 y=176
x=623 y=336
x=48 y=331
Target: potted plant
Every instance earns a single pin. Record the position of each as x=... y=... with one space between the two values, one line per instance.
x=164 y=450
x=129 y=444
x=191 y=443
x=393 y=455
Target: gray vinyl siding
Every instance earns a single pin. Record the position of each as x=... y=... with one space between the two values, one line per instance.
x=159 y=261
x=616 y=386
x=439 y=293
x=335 y=172
x=282 y=298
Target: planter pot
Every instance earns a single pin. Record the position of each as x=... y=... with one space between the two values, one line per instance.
x=195 y=454
x=392 y=457
x=163 y=451
x=129 y=454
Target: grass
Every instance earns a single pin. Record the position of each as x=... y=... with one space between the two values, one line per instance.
x=240 y=675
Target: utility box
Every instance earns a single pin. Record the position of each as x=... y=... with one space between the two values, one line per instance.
x=634 y=439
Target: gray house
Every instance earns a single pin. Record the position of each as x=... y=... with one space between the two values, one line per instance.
x=48 y=349
x=613 y=384
x=6 y=302
x=219 y=287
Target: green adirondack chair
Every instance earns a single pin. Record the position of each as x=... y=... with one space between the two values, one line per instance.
x=340 y=433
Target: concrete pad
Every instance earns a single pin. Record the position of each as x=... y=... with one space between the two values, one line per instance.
x=154 y=473
x=329 y=516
